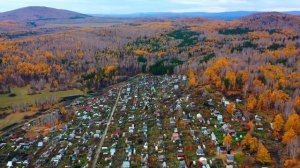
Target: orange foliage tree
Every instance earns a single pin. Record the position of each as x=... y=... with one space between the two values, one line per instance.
x=110 y=70
x=291 y=140
x=290 y=163
x=250 y=142
x=263 y=154
x=246 y=141
x=253 y=144
x=251 y=103
x=297 y=104
x=231 y=76
x=289 y=136
x=227 y=141
x=293 y=122
x=278 y=123
x=268 y=99
x=192 y=79
x=214 y=71
x=230 y=108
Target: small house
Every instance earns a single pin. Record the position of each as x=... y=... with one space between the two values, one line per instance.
x=126 y=164
x=229 y=158
x=238 y=100
x=176 y=87
x=112 y=151
x=225 y=102
x=144 y=159
x=183 y=164
x=258 y=120
x=172 y=122
x=180 y=154
x=131 y=129
x=164 y=165
x=161 y=158
x=40 y=144
x=118 y=134
x=105 y=150
x=220 y=118
x=216 y=113
x=200 y=152
x=203 y=160
x=96 y=136
x=213 y=137
x=175 y=137
x=9 y=164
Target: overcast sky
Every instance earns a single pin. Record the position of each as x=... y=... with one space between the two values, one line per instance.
x=143 y=6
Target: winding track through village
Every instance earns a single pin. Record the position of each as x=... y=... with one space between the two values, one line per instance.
x=98 y=151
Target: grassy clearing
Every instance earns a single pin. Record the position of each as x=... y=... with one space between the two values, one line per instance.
x=14 y=118
x=22 y=96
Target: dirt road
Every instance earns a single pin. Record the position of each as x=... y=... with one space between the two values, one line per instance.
x=98 y=151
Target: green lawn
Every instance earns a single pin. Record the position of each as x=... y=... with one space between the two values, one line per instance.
x=22 y=96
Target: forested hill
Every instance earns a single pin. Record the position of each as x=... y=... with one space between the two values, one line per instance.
x=256 y=56
x=40 y=13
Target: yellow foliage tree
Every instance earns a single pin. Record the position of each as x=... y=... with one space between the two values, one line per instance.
x=288 y=136
x=55 y=83
x=251 y=103
x=293 y=122
x=246 y=141
x=57 y=68
x=258 y=35
x=263 y=154
x=290 y=163
x=253 y=144
x=279 y=95
x=231 y=76
x=268 y=98
x=192 y=79
x=297 y=104
x=140 y=52
x=110 y=70
x=213 y=72
x=230 y=108
x=250 y=142
x=227 y=141
x=258 y=83
x=278 y=123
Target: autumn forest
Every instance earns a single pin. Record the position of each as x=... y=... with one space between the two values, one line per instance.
x=255 y=58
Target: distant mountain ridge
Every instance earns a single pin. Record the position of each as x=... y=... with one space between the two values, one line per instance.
x=221 y=15
x=271 y=20
x=40 y=13
x=34 y=13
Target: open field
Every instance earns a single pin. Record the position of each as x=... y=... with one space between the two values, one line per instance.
x=23 y=97
x=14 y=118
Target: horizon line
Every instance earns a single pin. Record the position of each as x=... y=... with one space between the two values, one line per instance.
x=162 y=12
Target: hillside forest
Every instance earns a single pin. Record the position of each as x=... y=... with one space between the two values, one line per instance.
x=255 y=58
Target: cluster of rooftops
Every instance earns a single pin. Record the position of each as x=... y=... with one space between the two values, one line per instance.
x=157 y=122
